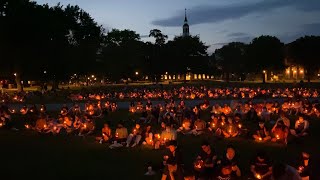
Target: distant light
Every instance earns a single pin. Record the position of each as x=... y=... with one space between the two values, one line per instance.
x=301 y=71
x=166 y=72
x=95 y=79
x=75 y=74
x=264 y=71
x=15 y=74
x=294 y=71
x=88 y=78
x=92 y=76
x=45 y=72
x=288 y=71
x=137 y=73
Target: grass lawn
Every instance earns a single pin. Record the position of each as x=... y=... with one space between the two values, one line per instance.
x=28 y=155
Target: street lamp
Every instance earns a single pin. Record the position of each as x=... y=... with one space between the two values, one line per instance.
x=264 y=76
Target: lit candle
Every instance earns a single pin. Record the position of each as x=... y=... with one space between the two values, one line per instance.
x=213 y=125
x=165 y=139
x=258 y=176
x=117 y=135
x=85 y=126
x=240 y=126
x=260 y=139
x=55 y=128
x=301 y=168
x=45 y=126
x=222 y=123
x=27 y=126
x=1 y=124
x=277 y=136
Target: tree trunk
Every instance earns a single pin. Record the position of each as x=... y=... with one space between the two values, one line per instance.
x=227 y=77
x=55 y=85
x=263 y=78
x=308 y=73
x=18 y=82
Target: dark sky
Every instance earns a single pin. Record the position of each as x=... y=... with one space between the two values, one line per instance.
x=216 y=21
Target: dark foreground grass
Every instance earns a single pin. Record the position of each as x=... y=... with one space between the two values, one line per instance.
x=28 y=155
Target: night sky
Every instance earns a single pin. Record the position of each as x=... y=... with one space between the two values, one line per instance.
x=216 y=21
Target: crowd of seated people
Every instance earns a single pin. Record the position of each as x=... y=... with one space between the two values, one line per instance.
x=192 y=92
x=209 y=166
x=165 y=121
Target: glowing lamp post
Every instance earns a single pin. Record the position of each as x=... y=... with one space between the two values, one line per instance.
x=264 y=76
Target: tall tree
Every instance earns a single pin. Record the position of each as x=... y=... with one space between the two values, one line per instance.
x=266 y=53
x=305 y=51
x=160 y=38
x=53 y=39
x=155 y=54
x=231 y=58
x=123 y=53
x=190 y=50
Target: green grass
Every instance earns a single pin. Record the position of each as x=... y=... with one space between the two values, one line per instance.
x=27 y=154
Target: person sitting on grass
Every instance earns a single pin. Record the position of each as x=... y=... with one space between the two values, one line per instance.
x=199 y=127
x=261 y=166
x=134 y=135
x=262 y=133
x=121 y=134
x=172 y=162
x=53 y=127
x=284 y=119
x=87 y=127
x=230 y=130
x=282 y=171
x=106 y=134
x=215 y=126
x=265 y=114
x=77 y=124
x=225 y=172
x=231 y=159
x=206 y=161
x=169 y=134
x=41 y=125
x=300 y=128
x=304 y=169
x=68 y=124
x=280 y=133
x=185 y=128
x=147 y=135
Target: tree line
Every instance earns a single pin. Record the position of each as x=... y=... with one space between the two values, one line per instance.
x=40 y=42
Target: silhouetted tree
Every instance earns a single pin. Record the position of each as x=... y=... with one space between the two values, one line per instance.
x=266 y=53
x=231 y=58
x=305 y=51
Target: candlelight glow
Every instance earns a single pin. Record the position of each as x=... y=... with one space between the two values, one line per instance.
x=258 y=176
